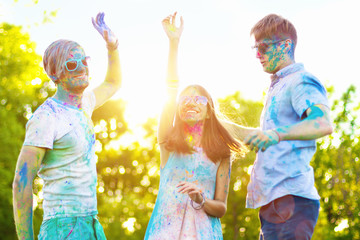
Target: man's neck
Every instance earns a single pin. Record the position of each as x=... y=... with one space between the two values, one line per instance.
x=286 y=63
x=64 y=95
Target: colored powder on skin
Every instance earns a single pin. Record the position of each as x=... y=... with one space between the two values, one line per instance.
x=282 y=130
x=193 y=131
x=276 y=58
x=197 y=128
x=315 y=113
x=23 y=177
x=172 y=28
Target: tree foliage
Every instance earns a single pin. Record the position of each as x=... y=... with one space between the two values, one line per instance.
x=23 y=86
x=127 y=173
x=337 y=170
x=240 y=222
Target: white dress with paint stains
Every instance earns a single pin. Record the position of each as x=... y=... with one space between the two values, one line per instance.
x=173 y=216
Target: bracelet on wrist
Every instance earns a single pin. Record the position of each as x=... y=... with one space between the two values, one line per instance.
x=277 y=134
x=201 y=205
x=174 y=83
x=174 y=86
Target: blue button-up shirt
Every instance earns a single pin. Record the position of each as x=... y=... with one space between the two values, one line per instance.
x=285 y=168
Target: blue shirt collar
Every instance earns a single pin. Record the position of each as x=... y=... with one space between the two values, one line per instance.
x=295 y=67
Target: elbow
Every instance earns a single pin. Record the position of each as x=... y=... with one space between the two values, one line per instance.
x=116 y=85
x=221 y=211
x=326 y=129
x=16 y=184
x=323 y=127
x=329 y=130
x=15 y=188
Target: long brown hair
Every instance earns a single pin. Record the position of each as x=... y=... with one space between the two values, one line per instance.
x=216 y=140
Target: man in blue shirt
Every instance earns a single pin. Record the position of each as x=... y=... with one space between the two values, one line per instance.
x=296 y=112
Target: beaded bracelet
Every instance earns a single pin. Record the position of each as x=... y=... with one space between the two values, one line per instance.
x=201 y=205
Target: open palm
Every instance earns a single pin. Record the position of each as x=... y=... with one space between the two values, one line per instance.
x=170 y=28
x=103 y=29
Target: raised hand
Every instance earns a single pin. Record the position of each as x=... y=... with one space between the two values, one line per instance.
x=173 y=32
x=105 y=31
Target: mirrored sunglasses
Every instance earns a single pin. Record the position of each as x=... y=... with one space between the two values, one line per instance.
x=73 y=64
x=185 y=100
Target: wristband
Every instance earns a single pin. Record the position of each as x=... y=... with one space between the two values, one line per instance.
x=277 y=134
x=172 y=83
x=201 y=205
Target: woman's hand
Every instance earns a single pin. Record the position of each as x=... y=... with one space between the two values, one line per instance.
x=105 y=31
x=173 y=32
x=190 y=189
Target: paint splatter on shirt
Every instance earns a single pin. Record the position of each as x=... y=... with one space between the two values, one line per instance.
x=173 y=216
x=285 y=168
x=69 y=165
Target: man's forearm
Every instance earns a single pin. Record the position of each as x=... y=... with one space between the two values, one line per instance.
x=27 y=166
x=305 y=130
x=23 y=211
x=316 y=125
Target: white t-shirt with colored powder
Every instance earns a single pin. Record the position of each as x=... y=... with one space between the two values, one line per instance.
x=69 y=165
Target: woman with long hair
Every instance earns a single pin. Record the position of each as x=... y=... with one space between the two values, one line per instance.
x=195 y=159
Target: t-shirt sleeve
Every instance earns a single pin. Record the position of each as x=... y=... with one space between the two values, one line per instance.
x=307 y=92
x=40 y=130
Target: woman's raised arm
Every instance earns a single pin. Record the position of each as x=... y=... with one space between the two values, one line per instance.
x=172 y=82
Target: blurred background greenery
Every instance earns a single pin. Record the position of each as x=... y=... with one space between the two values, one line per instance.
x=128 y=159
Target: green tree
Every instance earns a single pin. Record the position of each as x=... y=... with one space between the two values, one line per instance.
x=240 y=222
x=337 y=170
x=23 y=86
x=127 y=173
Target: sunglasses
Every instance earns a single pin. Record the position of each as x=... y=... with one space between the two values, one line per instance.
x=263 y=46
x=185 y=100
x=73 y=64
